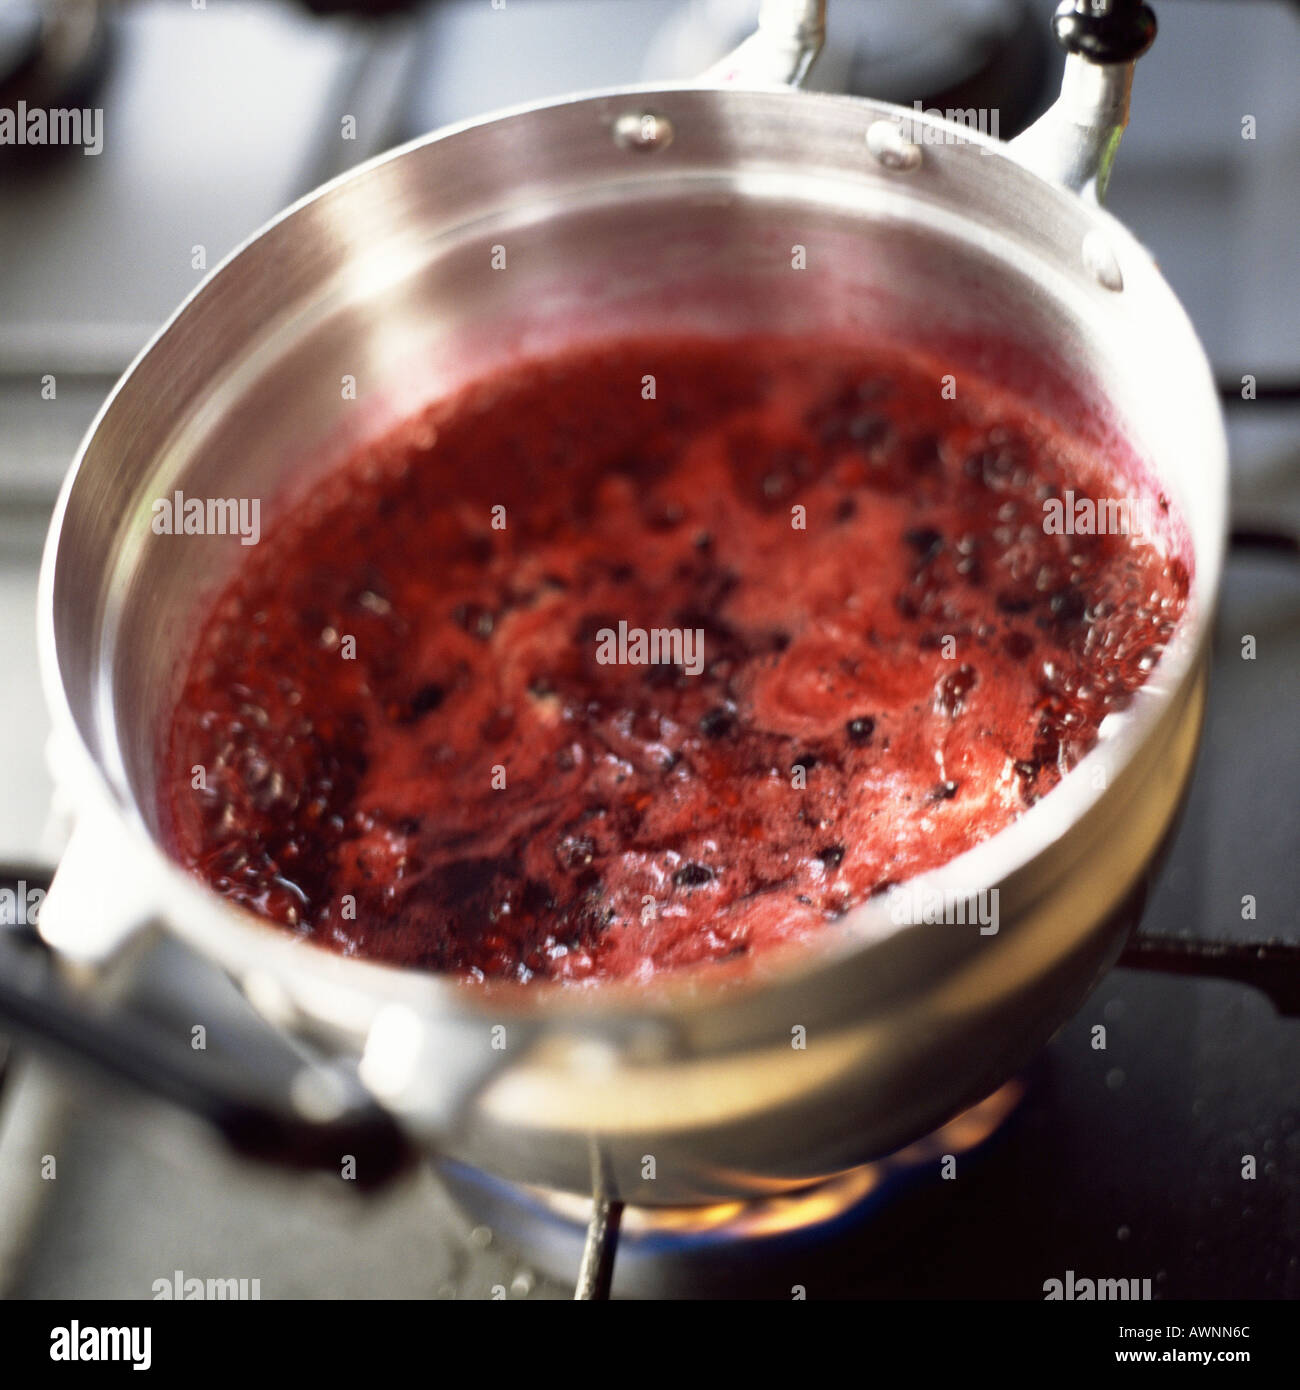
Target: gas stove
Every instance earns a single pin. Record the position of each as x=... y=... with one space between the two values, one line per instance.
x=1164 y=1147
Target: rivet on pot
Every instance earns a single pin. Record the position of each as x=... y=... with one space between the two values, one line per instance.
x=1099 y=260
x=643 y=130
x=891 y=147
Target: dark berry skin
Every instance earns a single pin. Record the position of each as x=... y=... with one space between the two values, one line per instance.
x=426 y=699
x=475 y=791
x=718 y=722
x=860 y=730
x=693 y=876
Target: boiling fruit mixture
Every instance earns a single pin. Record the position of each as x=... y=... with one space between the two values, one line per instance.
x=651 y=656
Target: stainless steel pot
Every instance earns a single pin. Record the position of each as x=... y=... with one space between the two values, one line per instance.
x=648 y=209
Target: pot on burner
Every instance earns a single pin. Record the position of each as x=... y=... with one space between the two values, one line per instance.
x=652 y=210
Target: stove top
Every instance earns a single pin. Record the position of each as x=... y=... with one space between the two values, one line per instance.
x=1126 y=1162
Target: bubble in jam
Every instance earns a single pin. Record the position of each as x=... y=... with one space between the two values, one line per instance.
x=639 y=685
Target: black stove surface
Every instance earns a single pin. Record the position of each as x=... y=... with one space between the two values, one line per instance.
x=1127 y=1162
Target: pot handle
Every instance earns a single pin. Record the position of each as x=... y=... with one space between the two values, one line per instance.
x=266 y=1099
x=781 y=50
x=1075 y=140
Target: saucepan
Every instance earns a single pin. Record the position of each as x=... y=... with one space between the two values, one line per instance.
x=644 y=209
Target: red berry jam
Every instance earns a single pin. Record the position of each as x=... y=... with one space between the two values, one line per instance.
x=583 y=675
